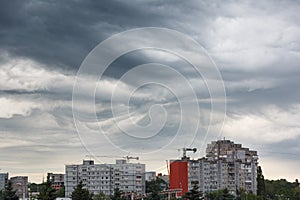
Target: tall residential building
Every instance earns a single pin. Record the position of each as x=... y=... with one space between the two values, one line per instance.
x=236 y=166
x=3 y=180
x=226 y=165
x=128 y=177
x=20 y=185
x=57 y=180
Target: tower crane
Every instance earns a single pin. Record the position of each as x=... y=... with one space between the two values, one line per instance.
x=95 y=156
x=167 y=162
x=184 y=157
x=128 y=158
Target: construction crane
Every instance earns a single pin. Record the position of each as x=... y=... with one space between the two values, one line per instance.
x=128 y=158
x=184 y=157
x=95 y=156
x=167 y=162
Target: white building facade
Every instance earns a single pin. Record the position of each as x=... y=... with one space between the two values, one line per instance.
x=128 y=177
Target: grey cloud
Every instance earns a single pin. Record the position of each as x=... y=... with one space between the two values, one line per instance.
x=254 y=44
x=62 y=33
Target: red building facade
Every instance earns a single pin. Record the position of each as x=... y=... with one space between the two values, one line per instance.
x=179 y=176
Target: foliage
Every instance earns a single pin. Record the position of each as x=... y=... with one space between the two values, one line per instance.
x=227 y=195
x=60 y=192
x=282 y=189
x=101 y=196
x=80 y=193
x=9 y=193
x=154 y=187
x=260 y=182
x=117 y=194
x=274 y=190
x=34 y=187
x=45 y=188
x=219 y=195
x=46 y=192
x=194 y=193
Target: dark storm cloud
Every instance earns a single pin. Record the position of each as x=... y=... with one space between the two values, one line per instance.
x=48 y=32
x=42 y=44
x=61 y=33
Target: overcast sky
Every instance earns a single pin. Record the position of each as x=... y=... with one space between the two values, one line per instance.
x=254 y=44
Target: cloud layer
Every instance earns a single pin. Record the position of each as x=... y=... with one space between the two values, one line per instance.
x=42 y=44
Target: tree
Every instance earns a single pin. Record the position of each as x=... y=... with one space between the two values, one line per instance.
x=46 y=191
x=296 y=183
x=241 y=194
x=153 y=188
x=117 y=194
x=9 y=193
x=251 y=196
x=296 y=193
x=220 y=195
x=60 y=192
x=282 y=189
x=101 y=196
x=261 y=188
x=215 y=195
x=194 y=193
x=227 y=195
x=1 y=195
x=33 y=188
x=80 y=193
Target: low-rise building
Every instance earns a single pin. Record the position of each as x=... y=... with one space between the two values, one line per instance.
x=20 y=185
x=149 y=176
x=3 y=180
x=57 y=180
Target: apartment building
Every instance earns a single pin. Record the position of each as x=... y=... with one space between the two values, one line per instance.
x=236 y=166
x=128 y=177
x=226 y=165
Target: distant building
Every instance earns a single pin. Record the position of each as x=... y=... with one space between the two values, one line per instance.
x=57 y=180
x=128 y=177
x=20 y=185
x=149 y=176
x=3 y=180
x=165 y=178
x=226 y=165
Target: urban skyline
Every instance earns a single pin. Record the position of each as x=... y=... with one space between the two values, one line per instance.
x=228 y=150
x=226 y=165
x=150 y=102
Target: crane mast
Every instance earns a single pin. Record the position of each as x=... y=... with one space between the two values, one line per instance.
x=184 y=157
x=128 y=158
